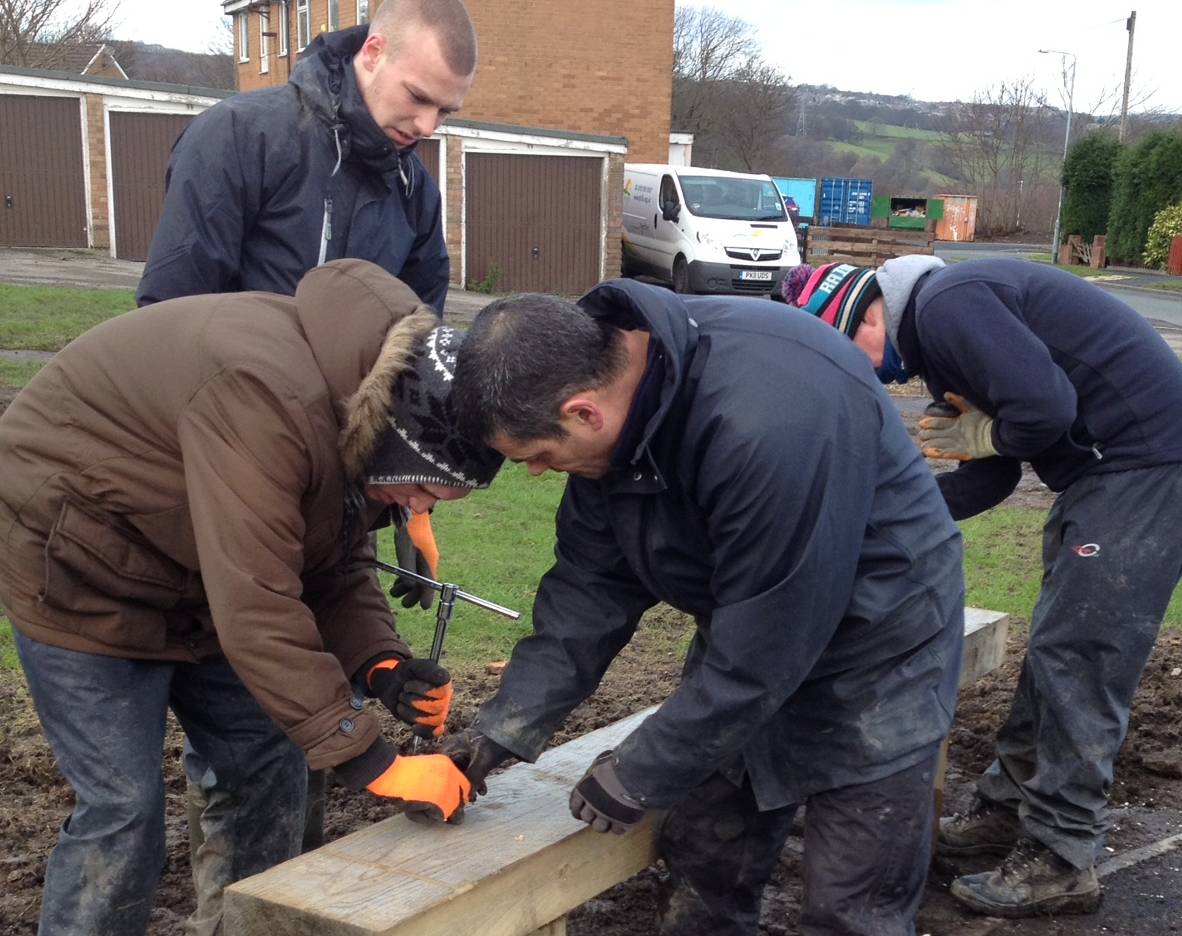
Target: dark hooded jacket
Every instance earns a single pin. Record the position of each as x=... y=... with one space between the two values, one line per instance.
x=254 y=190
x=1078 y=382
x=174 y=482
x=767 y=487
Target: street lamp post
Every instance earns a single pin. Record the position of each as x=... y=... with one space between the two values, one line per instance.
x=1066 y=141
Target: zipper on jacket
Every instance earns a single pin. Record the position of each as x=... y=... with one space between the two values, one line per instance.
x=325 y=231
x=326 y=225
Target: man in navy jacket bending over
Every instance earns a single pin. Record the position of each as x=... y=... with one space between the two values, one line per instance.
x=1033 y=364
x=745 y=467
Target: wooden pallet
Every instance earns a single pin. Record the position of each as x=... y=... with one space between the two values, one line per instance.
x=863 y=246
x=516 y=866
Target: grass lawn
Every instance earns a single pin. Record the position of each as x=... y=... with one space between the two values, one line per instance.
x=497 y=544
x=1173 y=283
x=46 y=318
x=18 y=373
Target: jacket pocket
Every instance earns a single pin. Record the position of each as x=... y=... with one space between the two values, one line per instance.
x=115 y=583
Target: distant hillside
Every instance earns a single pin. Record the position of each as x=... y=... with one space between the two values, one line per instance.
x=144 y=62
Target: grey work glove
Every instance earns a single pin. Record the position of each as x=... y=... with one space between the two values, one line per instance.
x=965 y=436
x=409 y=556
x=600 y=800
x=476 y=755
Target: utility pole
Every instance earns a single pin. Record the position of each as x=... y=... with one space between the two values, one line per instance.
x=1066 y=141
x=1130 y=25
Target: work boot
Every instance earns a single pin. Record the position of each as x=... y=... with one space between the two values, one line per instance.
x=988 y=828
x=1032 y=880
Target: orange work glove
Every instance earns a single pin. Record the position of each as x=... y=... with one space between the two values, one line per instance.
x=417 y=691
x=421 y=534
x=430 y=785
x=414 y=559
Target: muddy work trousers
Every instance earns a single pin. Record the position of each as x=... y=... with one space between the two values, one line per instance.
x=866 y=853
x=1112 y=556
x=105 y=719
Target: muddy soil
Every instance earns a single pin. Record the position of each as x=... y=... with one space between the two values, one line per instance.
x=1147 y=797
x=1145 y=898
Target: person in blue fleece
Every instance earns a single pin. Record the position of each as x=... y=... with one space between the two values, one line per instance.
x=1031 y=364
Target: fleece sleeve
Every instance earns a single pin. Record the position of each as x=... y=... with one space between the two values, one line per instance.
x=972 y=335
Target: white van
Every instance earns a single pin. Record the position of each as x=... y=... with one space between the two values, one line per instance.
x=706 y=230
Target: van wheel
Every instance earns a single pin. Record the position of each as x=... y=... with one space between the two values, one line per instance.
x=681 y=283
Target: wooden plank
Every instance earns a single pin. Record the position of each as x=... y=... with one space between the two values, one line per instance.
x=516 y=865
x=985 y=635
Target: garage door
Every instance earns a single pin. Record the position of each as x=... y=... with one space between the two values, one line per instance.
x=537 y=218
x=41 y=177
x=428 y=152
x=140 y=145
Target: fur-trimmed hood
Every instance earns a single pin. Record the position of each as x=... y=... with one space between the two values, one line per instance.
x=363 y=298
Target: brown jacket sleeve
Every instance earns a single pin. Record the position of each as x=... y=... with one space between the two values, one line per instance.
x=353 y=613
x=249 y=462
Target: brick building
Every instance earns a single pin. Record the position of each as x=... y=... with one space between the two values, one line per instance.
x=602 y=67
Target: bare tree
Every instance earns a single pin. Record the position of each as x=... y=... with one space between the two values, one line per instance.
x=756 y=102
x=32 y=31
x=708 y=47
x=736 y=104
x=998 y=145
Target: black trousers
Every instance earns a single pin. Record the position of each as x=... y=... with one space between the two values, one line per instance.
x=1112 y=557
x=866 y=854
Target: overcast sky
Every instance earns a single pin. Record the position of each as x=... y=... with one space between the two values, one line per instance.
x=930 y=49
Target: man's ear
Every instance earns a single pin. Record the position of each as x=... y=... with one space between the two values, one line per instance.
x=372 y=50
x=584 y=411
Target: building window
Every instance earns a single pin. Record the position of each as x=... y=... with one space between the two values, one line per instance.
x=244 y=37
x=334 y=15
x=284 y=27
x=264 y=42
x=303 y=24
x=362 y=11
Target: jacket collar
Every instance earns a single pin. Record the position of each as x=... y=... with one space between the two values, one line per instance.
x=327 y=85
x=673 y=334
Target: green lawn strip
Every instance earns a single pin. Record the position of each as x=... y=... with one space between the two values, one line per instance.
x=1003 y=562
x=18 y=373
x=46 y=318
x=498 y=543
x=1174 y=283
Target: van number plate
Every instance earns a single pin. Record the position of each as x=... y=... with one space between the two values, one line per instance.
x=758 y=275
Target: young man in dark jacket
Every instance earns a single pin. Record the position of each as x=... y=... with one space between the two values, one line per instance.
x=266 y=185
x=747 y=468
x=1039 y=366
x=185 y=494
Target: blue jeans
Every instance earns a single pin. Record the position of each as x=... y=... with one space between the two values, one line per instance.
x=104 y=718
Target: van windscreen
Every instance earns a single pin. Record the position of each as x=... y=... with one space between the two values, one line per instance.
x=734 y=199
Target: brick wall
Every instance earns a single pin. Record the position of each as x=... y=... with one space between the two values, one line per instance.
x=96 y=143
x=455 y=204
x=615 y=215
x=597 y=66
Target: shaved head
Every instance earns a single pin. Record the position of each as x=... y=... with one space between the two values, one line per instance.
x=447 y=19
